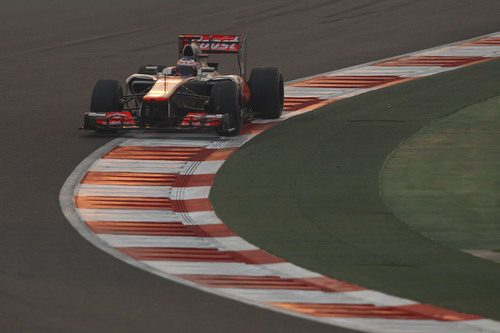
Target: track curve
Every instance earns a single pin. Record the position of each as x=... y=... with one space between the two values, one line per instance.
x=143 y=198
x=51 y=61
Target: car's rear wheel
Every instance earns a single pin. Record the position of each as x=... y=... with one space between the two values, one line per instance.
x=267 y=92
x=225 y=101
x=106 y=97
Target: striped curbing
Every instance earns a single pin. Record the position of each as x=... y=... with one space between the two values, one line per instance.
x=144 y=199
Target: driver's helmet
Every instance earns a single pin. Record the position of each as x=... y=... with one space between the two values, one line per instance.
x=186 y=67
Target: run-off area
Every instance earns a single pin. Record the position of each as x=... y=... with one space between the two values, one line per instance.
x=312 y=196
x=445 y=180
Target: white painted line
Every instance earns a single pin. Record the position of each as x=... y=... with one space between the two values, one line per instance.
x=216 y=268
x=407 y=325
x=466 y=51
x=290 y=270
x=266 y=121
x=233 y=243
x=192 y=192
x=208 y=141
x=173 y=142
x=128 y=215
x=287 y=115
x=401 y=71
x=349 y=94
x=202 y=168
x=155 y=166
x=219 y=243
x=381 y=299
x=227 y=268
x=485 y=325
x=156 y=241
x=201 y=218
x=485 y=254
x=315 y=296
x=317 y=92
x=188 y=135
x=233 y=142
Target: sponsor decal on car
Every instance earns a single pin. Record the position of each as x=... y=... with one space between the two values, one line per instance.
x=119 y=118
x=219 y=43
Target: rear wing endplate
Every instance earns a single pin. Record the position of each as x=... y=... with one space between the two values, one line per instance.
x=219 y=44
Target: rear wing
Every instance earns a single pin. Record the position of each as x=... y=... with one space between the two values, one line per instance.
x=219 y=44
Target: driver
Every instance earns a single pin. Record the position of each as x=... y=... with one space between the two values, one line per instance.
x=186 y=67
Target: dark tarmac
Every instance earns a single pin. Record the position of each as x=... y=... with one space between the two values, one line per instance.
x=51 y=279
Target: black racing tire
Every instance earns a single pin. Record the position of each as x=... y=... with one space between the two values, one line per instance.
x=267 y=92
x=106 y=97
x=225 y=101
x=150 y=69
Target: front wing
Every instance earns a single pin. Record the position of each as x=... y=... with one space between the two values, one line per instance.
x=125 y=120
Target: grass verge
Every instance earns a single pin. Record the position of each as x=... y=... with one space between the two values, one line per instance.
x=444 y=181
x=307 y=190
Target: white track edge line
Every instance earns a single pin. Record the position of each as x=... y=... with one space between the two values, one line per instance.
x=395 y=57
x=67 y=204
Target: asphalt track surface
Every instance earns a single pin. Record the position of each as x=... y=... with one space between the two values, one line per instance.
x=52 y=53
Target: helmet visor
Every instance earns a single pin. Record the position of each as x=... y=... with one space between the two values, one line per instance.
x=186 y=70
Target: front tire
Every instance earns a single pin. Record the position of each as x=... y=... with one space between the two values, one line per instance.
x=225 y=101
x=267 y=92
x=106 y=97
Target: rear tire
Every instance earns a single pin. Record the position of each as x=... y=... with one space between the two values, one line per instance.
x=106 y=97
x=267 y=92
x=224 y=98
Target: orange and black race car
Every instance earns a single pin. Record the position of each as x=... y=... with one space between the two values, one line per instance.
x=190 y=94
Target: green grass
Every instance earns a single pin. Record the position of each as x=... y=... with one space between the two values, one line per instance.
x=445 y=180
x=307 y=190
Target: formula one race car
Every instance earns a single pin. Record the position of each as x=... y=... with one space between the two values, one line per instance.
x=190 y=94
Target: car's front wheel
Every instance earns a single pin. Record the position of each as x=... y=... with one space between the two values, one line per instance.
x=106 y=97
